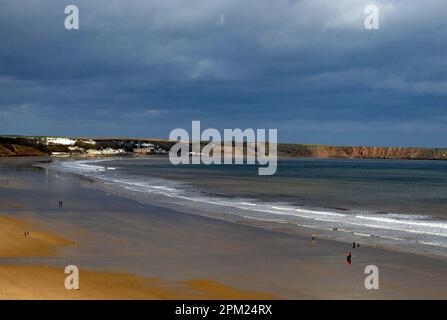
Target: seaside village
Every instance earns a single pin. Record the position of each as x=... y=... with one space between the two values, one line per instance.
x=86 y=147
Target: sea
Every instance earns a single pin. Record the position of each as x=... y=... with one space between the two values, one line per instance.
x=400 y=204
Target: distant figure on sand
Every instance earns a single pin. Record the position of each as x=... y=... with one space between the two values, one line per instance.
x=353 y=244
x=60 y=204
x=349 y=258
x=26 y=233
x=313 y=237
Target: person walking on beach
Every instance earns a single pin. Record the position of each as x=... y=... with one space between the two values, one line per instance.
x=60 y=204
x=353 y=245
x=349 y=258
x=314 y=237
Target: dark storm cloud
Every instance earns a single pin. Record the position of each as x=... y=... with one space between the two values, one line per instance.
x=308 y=68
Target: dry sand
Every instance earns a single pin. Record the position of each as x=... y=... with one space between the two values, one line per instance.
x=40 y=282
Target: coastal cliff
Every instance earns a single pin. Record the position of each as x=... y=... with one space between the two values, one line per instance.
x=321 y=151
x=19 y=146
x=38 y=146
x=15 y=150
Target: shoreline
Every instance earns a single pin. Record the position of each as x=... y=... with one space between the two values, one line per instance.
x=117 y=234
x=31 y=242
x=291 y=227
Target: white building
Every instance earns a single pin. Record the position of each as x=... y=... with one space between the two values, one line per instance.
x=105 y=152
x=60 y=141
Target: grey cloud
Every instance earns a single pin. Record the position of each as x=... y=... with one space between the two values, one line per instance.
x=229 y=63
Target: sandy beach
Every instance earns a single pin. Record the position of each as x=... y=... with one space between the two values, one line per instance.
x=130 y=250
x=193 y=150
x=43 y=282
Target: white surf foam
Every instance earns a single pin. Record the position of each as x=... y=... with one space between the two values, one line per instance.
x=394 y=226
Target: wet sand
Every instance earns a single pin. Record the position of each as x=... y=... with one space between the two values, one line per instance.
x=43 y=282
x=116 y=235
x=20 y=238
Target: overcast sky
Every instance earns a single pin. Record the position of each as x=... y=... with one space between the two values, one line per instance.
x=306 y=67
